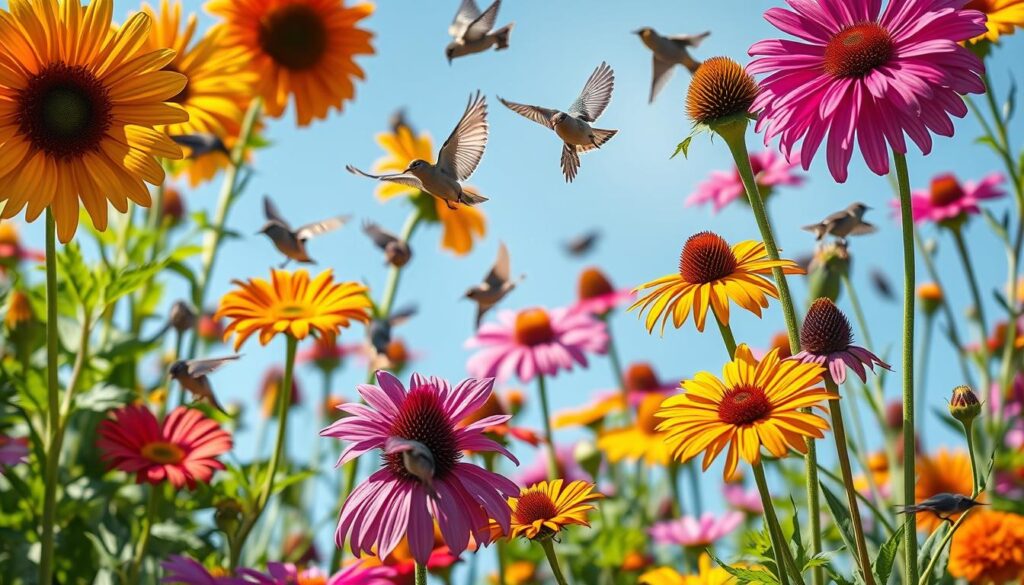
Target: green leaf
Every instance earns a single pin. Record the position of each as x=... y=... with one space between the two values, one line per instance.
x=102 y=398
x=882 y=565
x=77 y=276
x=844 y=522
x=284 y=483
x=128 y=280
x=1011 y=102
x=748 y=575
x=683 y=147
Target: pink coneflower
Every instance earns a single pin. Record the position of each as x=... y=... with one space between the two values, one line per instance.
x=13 y=450
x=289 y=574
x=493 y=407
x=183 y=450
x=182 y=570
x=827 y=340
x=865 y=77
x=723 y=187
x=696 y=532
x=535 y=341
x=947 y=199
x=597 y=296
x=11 y=250
x=568 y=468
x=414 y=428
x=743 y=499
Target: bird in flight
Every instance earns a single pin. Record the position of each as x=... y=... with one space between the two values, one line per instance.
x=669 y=51
x=496 y=285
x=292 y=242
x=471 y=31
x=193 y=376
x=848 y=222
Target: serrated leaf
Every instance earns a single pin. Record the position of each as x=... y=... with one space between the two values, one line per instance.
x=747 y=575
x=129 y=280
x=683 y=147
x=882 y=565
x=77 y=276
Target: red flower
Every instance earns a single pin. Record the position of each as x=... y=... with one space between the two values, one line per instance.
x=183 y=450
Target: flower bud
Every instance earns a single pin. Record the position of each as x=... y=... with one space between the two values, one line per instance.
x=228 y=515
x=964 y=405
x=182 y=317
x=930 y=296
x=172 y=208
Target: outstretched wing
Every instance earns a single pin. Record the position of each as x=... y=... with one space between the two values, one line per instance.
x=863 y=228
x=311 y=230
x=483 y=23
x=570 y=162
x=468 y=12
x=686 y=41
x=596 y=94
x=538 y=114
x=501 y=271
x=406 y=179
x=272 y=213
x=198 y=368
x=662 y=73
x=461 y=153
x=381 y=237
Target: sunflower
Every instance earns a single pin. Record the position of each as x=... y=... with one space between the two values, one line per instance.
x=300 y=48
x=461 y=227
x=79 y=100
x=942 y=472
x=1003 y=17
x=989 y=548
x=754 y=404
x=544 y=509
x=711 y=273
x=640 y=440
x=292 y=304
x=219 y=87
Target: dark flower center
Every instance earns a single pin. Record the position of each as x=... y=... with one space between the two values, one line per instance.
x=64 y=111
x=422 y=419
x=533 y=327
x=594 y=283
x=826 y=329
x=706 y=257
x=983 y=6
x=533 y=506
x=720 y=88
x=646 y=420
x=163 y=453
x=182 y=96
x=945 y=189
x=294 y=36
x=641 y=376
x=743 y=405
x=858 y=50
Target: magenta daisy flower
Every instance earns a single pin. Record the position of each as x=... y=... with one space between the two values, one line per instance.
x=827 y=340
x=949 y=200
x=181 y=570
x=289 y=574
x=743 y=499
x=865 y=75
x=12 y=451
x=423 y=477
x=723 y=187
x=535 y=341
x=596 y=294
x=700 y=532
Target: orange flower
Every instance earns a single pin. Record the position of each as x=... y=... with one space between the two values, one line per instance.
x=988 y=548
x=943 y=472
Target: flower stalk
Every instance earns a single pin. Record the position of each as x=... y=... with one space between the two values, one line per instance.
x=549 y=551
x=53 y=408
x=549 y=437
x=780 y=549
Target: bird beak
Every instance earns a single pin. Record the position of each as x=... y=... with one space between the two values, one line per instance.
x=638 y=31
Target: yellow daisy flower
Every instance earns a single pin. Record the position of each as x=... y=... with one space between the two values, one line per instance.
x=641 y=440
x=300 y=48
x=544 y=509
x=589 y=414
x=460 y=227
x=219 y=87
x=755 y=403
x=707 y=574
x=1003 y=17
x=292 y=304
x=79 y=100
x=711 y=273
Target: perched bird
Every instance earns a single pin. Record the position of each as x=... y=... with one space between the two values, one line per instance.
x=292 y=242
x=471 y=31
x=848 y=222
x=495 y=287
x=574 y=127
x=416 y=458
x=458 y=158
x=192 y=375
x=200 y=144
x=379 y=330
x=396 y=250
x=943 y=505
x=582 y=244
x=668 y=52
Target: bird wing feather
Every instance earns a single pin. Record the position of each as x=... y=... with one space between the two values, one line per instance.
x=379 y=235
x=686 y=41
x=596 y=94
x=203 y=367
x=538 y=114
x=662 y=74
x=272 y=213
x=407 y=179
x=501 y=271
x=311 y=230
x=483 y=23
x=461 y=153
x=468 y=12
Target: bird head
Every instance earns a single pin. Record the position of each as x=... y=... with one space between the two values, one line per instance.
x=416 y=165
x=449 y=52
x=558 y=118
x=859 y=209
x=178 y=369
x=643 y=32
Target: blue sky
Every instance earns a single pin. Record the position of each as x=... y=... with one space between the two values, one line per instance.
x=630 y=189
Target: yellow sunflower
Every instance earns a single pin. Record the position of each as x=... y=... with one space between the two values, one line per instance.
x=219 y=87
x=641 y=440
x=544 y=509
x=754 y=404
x=592 y=413
x=942 y=472
x=1003 y=17
x=707 y=574
x=300 y=48
x=79 y=100
x=711 y=273
x=460 y=227
x=988 y=548
x=292 y=304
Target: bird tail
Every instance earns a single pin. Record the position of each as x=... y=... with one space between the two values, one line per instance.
x=471 y=197
x=502 y=35
x=602 y=136
x=907 y=509
x=216 y=404
x=817 y=229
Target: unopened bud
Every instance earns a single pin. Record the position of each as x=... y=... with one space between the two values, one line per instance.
x=228 y=516
x=964 y=405
x=930 y=295
x=182 y=317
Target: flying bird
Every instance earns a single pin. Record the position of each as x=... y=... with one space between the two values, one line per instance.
x=193 y=376
x=471 y=31
x=292 y=242
x=495 y=287
x=458 y=158
x=399 y=120
x=848 y=222
x=668 y=52
x=396 y=250
x=201 y=144
x=943 y=505
x=416 y=458
x=574 y=127
x=582 y=244
x=379 y=330
x=882 y=284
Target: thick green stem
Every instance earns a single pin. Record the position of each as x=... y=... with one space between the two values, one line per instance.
x=727 y=336
x=549 y=436
x=53 y=407
x=839 y=432
x=283 y=404
x=549 y=551
x=924 y=353
x=909 y=440
x=421 y=574
x=779 y=546
x=147 y=529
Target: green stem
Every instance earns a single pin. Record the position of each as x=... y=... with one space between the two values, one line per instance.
x=693 y=474
x=53 y=407
x=779 y=546
x=421 y=574
x=839 y=433
x=283 y=402
x=727 y=336
x=926 y=576
x=979 y=308
x=613 y=358
x=147 y=530
x=909 y=440
x=673 y=485
x=549 y=436
x=549 y=552
x=975 y=476
x=922 y=369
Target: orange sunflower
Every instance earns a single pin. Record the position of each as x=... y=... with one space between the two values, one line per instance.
x=711 y=273
x=1003 y=17
x=988 y=548
x=942 y=472
x=292 y=304
x=755 y=404
x=300 y=48
x=79 y=100
x=546 y=508
x=641 y=440
x=707 y=574
x=460 y=227
x=219 y=87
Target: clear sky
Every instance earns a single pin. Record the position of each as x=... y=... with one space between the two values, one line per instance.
x=630 y=189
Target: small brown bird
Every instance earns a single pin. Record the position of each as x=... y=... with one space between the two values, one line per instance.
x=192 y=375
x=583 y=244
x=379 y=330
x=668 y=52
x=848 y=222
x=292 y=242
x=396 y=250
x=495 y=287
